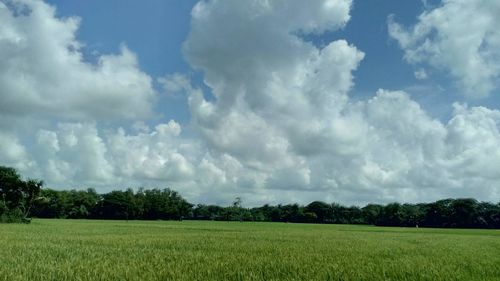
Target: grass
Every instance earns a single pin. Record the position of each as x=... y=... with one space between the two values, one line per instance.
x=189 y=250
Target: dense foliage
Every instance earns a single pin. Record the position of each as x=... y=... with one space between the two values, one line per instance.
x=167 y=204
x=18 y=196
x=120 y=205
x=462 y=213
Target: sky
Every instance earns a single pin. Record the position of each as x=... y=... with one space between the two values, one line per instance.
x=272 y=101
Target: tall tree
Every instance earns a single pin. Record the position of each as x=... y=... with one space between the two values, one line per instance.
x=16 y=195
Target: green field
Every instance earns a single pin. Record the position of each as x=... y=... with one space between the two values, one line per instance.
x=189 y=250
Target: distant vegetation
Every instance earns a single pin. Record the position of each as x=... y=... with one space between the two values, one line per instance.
x=23 y=198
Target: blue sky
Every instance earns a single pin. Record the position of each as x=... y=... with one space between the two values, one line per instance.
x=350 y=101
x=155 y=31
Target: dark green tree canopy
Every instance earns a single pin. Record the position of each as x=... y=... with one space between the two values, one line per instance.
x=16 y=195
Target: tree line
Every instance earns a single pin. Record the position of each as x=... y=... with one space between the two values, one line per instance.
x=447 y=213
x=24 y=198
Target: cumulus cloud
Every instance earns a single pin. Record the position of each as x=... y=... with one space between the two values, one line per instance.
x=281 y=108
x=43 y=72
x=80 y=154
x=259 y=69
x=13 y=153
x=398 y=153
x=75 y=152
x=459 y=37
x=279 y=126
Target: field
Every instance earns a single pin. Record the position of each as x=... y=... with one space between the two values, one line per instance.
x=189 y=250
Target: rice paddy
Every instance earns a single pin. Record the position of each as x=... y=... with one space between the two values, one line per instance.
x=194 y=250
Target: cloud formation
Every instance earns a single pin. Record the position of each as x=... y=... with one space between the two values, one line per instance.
x=459 y=37
x=44 y=74
x=282 y=109
x=276 y=126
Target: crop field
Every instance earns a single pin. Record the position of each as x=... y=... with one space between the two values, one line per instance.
x=193 y=250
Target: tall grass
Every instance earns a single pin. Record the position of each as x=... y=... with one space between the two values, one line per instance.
x=112 y=250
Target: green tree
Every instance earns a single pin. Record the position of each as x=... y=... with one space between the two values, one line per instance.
x=320 y=209
x=464 y=213
x=371 y=213
x=16 y=195
x=391 y=215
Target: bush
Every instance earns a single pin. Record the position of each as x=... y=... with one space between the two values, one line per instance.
x=13 y=216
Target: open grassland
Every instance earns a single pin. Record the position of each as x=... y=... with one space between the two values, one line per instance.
x=190 y=250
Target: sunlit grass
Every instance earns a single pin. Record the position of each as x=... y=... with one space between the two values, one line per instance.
x=188 y=250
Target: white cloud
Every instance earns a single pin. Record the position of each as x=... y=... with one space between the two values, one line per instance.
x=43 y=72
x=282 y=110
x=280 y=127
x=174 y=83
x=13 y=153
x=474 y=138
x=397 y=153
x=268 y=82
x=420 y=74
x=81 y=155
x=460 y=37
x=74 y=153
